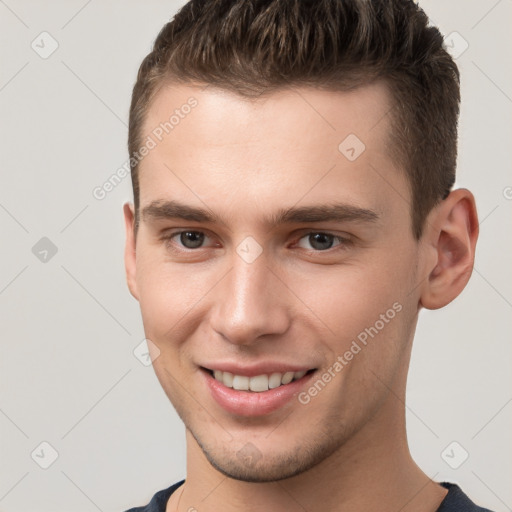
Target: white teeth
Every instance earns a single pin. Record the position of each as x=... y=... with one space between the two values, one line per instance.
x=258 y=383
x=227 y=379
x=241 y=383
x=299 y=375
x=287 y=378
x=274 y=381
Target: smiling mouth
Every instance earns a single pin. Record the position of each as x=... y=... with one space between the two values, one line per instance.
x=258 y=383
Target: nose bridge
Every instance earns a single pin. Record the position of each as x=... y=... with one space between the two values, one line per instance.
x=249 y=302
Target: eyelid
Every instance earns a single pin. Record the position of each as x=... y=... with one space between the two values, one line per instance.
x=343 y=240
x=171 y=234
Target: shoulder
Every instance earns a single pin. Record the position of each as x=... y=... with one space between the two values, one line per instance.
x=457 y=501
x=158 y=502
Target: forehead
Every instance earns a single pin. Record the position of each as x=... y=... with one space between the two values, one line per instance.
x=219 y=148
x=226 y=117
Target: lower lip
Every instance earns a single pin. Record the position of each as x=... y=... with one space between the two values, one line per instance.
x=252 y=403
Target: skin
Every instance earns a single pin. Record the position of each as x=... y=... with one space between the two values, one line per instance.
x=244 y=160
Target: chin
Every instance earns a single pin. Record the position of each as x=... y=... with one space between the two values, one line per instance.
x=261 y=472
x=249 y=464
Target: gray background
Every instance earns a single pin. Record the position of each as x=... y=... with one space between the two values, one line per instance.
x=68 y=374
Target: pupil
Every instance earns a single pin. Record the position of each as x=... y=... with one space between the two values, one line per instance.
x=321 y=241
x=191 y=239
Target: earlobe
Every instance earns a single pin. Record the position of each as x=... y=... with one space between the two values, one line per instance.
x=130 y=262
x=452 y=229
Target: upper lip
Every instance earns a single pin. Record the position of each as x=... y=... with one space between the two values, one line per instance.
x=263 y=368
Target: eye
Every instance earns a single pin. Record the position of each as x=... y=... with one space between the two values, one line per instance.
x=191 y=239
x=188 y=239
x=320 y=241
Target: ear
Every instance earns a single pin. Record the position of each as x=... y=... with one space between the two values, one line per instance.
x=130 y=262
x=451 y=232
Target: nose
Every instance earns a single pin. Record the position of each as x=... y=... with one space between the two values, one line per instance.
x=250 y=302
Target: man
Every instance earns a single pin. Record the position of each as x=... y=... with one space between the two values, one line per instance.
x=292 y=166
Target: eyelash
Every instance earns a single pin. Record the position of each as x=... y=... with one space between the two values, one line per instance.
x=342 y=245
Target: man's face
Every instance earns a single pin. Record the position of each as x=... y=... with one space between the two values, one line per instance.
x=267 y=281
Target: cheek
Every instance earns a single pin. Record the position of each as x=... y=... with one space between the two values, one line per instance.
x=351 y=298
x=370 y=321
x=365 y=304
x=167 y=294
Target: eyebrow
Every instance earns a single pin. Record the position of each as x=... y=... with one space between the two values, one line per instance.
x=337 y=212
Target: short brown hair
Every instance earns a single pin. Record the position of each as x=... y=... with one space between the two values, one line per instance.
x=254 y=47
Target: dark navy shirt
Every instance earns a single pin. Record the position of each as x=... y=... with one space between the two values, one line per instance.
x=455 y=501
